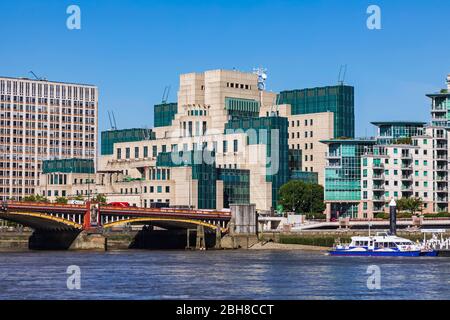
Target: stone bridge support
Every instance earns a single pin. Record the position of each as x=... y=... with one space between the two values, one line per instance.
x=243 y=227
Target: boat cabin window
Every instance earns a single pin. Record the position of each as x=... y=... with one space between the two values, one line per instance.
x=385 y=245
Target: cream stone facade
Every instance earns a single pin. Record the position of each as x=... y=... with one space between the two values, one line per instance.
x=305 y=133
x=221 y=111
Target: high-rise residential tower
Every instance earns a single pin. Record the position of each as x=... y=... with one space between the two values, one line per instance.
x=42 y=120
x=440 y=106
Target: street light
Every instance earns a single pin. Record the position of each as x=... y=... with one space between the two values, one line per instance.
x=190 y=178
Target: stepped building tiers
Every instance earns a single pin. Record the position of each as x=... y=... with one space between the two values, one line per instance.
x=226 y=140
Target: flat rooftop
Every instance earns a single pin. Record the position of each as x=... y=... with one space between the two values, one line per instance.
x=46 y=80
x=393 y=123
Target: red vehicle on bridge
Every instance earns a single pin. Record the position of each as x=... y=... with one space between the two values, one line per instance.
x=120 y=204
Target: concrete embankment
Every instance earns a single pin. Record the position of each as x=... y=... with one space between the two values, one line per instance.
x=14 y=241
x=100 y=241
x=282 y=246
x=305 y=240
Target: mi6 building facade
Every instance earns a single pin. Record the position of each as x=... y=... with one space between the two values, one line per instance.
x=42 y=120
x=226 y=140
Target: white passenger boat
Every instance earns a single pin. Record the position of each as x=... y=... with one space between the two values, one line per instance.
x=380 y=245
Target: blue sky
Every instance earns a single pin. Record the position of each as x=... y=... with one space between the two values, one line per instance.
x=133 y=49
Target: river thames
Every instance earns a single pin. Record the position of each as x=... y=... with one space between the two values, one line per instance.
x=252 y=274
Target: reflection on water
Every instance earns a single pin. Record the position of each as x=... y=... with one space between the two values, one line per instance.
x=219 y=275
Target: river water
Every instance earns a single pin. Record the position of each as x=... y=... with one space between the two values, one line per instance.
x=236 y=274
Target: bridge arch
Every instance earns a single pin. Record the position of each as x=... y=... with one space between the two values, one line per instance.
x=37 y=220
x=166 y=221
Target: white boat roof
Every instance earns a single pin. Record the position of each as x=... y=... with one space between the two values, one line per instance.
x=380 y=238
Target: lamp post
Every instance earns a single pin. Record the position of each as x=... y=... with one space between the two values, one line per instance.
x=393 y=217
x=89 y=186
x=190 y=178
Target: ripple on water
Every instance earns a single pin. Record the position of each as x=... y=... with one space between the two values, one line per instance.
x=219 y=275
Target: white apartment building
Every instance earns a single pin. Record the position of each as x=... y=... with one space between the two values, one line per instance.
x=41 y=120
x=416 y=170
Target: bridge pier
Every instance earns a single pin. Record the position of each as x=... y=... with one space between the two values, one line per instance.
x=66 y=240
x=52 y=240
x=243 y=227
x=200 y=243
x=89 y=240
x=218 y=238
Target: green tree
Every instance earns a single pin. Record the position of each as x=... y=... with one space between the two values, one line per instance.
x=61 y=200
x=35 y=198
x=30 y=198
x=402 y=204
x=79 y=197
x=411 y=204
x=300 y=197
x=100 y=198
x=415 y=204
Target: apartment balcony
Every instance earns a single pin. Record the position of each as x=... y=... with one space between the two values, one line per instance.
x=333 y=166
x=332 y=155
x=407 y=188
x=442 y=157
x=407 y=177
x=442 y=190
x=379 y=199
x=378 y=166
x=441 y=146
x=439 y=108
x=443 y=199
x=407 y=167
x=442 y=168
x=406 y=156
x=441 y=178
x=378 y=177
x=378 y=188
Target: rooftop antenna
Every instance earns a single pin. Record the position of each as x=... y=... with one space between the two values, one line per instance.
x=342 y=73
x=165 y=96
x=262 y=77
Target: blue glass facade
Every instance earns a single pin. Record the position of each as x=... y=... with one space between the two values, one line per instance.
x=337 y=99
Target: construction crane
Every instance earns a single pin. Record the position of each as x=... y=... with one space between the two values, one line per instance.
x=34 y=75
x=165 y=96
x=342 y=73
x=112 y=120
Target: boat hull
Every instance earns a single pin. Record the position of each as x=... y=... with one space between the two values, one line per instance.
x=374 y=253
x=432 y=253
